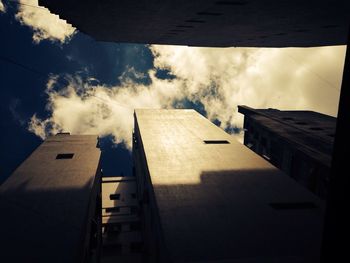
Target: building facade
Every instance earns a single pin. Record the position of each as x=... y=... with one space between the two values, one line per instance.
x=205 y=197
x=51 y=204
x=211 y=23
x=121 y=225
x=300 y=143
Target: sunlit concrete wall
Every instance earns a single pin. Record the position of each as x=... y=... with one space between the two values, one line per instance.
x=51 y=204
x=211 y=198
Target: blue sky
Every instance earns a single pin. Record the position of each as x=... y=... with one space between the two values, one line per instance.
x=54 y=78
x=23 y=91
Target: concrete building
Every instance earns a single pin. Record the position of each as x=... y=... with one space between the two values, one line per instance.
x=246 y=23
x=51 y=204
x=207 y=198
x=213 y=23
x=121 y=236
x=298 y=142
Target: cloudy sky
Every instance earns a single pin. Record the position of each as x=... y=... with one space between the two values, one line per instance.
x=54 y=78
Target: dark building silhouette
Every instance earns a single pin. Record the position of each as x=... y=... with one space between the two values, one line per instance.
x=298 y=142
x=207 y=198
x=213 y=23
x=50 y=206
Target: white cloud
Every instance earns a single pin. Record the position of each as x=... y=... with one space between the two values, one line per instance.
x=44 y=24
x=287 y=78
x=83 y=108
x=131 y=74
x=2 y=7
x=220 y=79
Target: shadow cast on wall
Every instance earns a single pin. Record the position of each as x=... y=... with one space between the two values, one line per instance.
x=260 y=214
x=41 y=224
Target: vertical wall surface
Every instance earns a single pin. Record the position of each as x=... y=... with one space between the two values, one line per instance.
x=298 y=142
x=211 y=23
x=211 y=198
x=51 y=203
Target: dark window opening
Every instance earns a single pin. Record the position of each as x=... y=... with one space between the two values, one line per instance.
x=135 y=226
x=330 y=26
x=209 y=14
x=112 y=209
x=63 y=133
x=114 y=229
x=133 y=196
x=65 y=156
x=216 y=142
x=145 y=197
x=293 y=206
x=114 y=196
x=133 y=209
x=114 y=248
x=136 y=247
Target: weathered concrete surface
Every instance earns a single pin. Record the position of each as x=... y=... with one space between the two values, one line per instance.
x=298 y=142
x=217 y=201
x=45 y=204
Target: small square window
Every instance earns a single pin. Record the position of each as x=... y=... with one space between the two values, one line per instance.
x=133 y=196
x=136 y=247
x=112 y=209
x=114 y=196
x=65 y=156
x=216 y=142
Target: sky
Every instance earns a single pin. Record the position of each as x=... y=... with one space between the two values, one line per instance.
x=54 y=78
